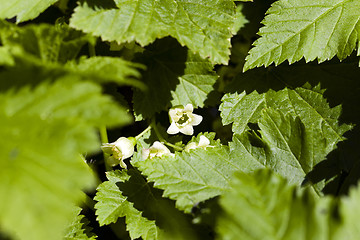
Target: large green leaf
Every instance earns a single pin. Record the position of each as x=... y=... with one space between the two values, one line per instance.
x=174 y=76
x=204 y=27
x=305 y=28
x=23 y=9
x=41 y=170
x=263 y=205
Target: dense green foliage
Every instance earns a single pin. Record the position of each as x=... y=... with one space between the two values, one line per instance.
x=275 y=149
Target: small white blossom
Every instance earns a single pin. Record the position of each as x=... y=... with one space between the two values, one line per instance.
x=182 y=120
x=204 y=142
x=119 y=150
x=156 y=150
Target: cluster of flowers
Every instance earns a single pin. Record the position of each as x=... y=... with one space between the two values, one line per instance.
x=182 y=119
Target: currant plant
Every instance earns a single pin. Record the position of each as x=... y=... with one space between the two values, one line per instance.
x=173 y=119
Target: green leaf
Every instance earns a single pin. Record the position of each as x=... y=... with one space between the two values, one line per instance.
x=349 y=212
x=23 y=9
x=78 y=229
x=285 y=146
x=112 y=205
x=204 y=27
x=174 y=76
x=6 y=57
x=198 y=175
x=41 y=169
x=309 y=105
x=240 y=19
x=147 y=214
x=190 y=177
x=305 y=28
x=106 y=69
x=48 y=49
x=262 y=205
x=69 y=99
x=46 y=42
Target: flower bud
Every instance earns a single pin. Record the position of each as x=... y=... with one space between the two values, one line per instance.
x=119 y=150
x=156 y=150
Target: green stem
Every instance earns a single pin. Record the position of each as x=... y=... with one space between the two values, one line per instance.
x=92 y=51
x=173 y=146
x=103 y=134
x=89 y=202
x=160 y=137
x=104 y=139
x=143 y=132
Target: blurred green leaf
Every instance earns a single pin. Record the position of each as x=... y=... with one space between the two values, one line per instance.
x=41 y=170
x=262 y=205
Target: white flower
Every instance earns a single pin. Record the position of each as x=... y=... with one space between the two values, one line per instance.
x=182 y=120
x=156 y=150
x=119 y=150
x=204 y=142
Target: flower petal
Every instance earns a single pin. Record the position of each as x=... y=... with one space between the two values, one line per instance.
x=187 y=130
x=160 y=147
x=196 y=119
x=190 y=146
x=125 y=146
x=204 y=142
x=145 y=153
x=173 y=129
x=107 y=148
x=122 y=164
x=172 y=113
x=188 y=108
x=111 y=161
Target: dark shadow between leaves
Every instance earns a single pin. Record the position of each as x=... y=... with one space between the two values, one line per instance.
x=338 y=170
x=103 y=4
x=165 y=63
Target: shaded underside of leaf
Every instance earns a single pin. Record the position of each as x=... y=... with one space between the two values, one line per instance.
x=310 y=29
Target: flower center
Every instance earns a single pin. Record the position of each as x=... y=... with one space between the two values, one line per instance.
x=116 y=152
x=183 y=120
